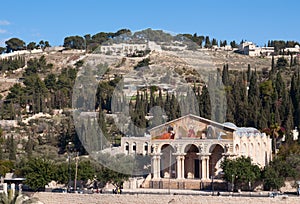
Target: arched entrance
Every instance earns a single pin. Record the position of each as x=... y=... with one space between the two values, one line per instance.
x=191 y=162
x=167 y=162
x=215 y=159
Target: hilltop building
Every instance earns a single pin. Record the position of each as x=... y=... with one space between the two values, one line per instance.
x=249 y=48
x=295 y=49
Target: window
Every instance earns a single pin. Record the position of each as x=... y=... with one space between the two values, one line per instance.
x=126 y=148
x=134 y=147
x=145 y=148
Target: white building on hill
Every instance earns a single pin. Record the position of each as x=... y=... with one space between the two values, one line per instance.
x=249 y=48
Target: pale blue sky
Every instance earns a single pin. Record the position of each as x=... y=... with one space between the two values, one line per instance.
x=253 y=20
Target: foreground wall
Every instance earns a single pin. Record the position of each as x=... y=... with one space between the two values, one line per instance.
x=54 y=198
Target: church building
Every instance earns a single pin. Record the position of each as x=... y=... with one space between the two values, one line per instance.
x=187 y=152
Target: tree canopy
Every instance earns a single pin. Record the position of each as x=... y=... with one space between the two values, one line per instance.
x=240 y=171
x=14 y=44
x=74 y=42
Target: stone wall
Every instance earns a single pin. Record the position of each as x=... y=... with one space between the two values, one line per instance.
x=54 y=198
x=187 y=184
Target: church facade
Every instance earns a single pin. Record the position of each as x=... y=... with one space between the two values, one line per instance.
x=192 y=147
x=188 y=151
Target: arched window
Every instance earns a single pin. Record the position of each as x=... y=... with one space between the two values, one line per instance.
x=237 y=148
x=134 y=148
x=126 y=148
x=251 y=152
x=244 y=152
x=145 y=150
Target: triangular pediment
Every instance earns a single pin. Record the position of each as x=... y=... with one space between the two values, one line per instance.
x=192 y=127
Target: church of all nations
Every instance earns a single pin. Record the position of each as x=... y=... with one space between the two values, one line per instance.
x=186 y=153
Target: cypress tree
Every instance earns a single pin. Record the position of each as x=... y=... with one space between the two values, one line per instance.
x=167 y=105
x=205 y=105
x=239 y=93
x=249 y=72
x=102 y=126
x=1 y=144
x=288 y=120
x=174 y=110
x=12 y=148
x=29 y=147
x=262 y=121
x=152 y=98
x=295 y=97
x=253 y=101
x=273 y=65
x=230 y=107
x=159 y=99
x=225 y=75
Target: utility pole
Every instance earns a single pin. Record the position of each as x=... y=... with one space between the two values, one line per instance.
x=69 y=164
x=76 y=169
x=170 y=167
x=232 y=182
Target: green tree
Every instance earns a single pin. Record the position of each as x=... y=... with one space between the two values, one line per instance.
x=43 y=44
x=272 y=179
x=50 y=82
x=117 y=165
x=225 y=75
x=16 y=94
x=6 y=166
x=275 y=131
x=86 y=170
x=29 y=146
x=123 y=31
x=158 y=118
x=74 y=42
x=12 y=149
x=175 y=108
x=37 y=91
x=9 y=198
x=282 y=63
x=39 y=172
x=204 y=103
x=239 y=92
x=2 y=50
x=31 y=46
x=109 y=176
x=14 y=44
x=12 y=63
x=253 y=101
x=233 y=44
x=214 y=42
x=1 y=143
x=207 y=42
x=240 y=171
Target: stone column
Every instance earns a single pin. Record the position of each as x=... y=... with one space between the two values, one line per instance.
x=178 y=160
x=182 y=167
x=203 y=168
x=207 y=167
x=153 y=166
x=180 y=164
x=156 y=166
x=204 y=165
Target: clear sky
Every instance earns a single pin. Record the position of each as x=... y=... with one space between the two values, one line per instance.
x=253 y=20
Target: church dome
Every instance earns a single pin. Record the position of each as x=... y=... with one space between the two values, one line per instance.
x=229 y=124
